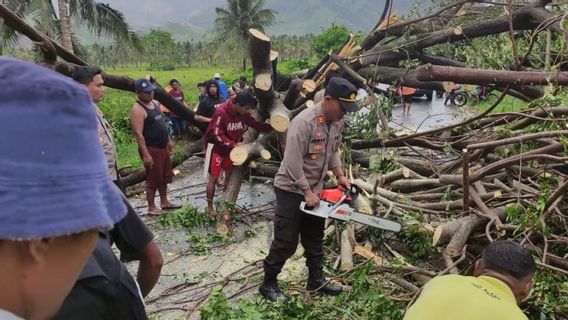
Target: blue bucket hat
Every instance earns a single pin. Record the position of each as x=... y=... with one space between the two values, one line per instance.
x=53 y=175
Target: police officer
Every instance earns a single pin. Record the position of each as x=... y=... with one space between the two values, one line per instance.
x=312 y=148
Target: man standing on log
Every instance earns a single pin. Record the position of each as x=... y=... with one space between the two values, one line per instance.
x=154 y=145
x=312 y=148
x=502 y=280
x=230 y=121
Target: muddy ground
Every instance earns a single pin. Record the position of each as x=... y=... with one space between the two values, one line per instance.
x=191 y=268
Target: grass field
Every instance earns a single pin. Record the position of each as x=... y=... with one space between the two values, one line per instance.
x=117 y=104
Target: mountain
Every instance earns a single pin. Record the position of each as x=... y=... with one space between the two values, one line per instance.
x=295 y=17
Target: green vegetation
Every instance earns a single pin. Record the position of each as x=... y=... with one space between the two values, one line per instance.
x=233 y=22
x=331 y=39
x=188 y=218
x=365 y=300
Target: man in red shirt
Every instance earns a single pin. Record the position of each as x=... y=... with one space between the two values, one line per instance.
x=228 y=124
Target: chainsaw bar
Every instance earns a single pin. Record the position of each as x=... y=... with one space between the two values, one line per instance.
x=344 y=212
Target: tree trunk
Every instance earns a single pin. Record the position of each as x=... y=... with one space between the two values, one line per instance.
x=431 y=72
x=65 y=25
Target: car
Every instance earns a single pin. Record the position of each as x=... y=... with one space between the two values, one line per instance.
x=428 y=93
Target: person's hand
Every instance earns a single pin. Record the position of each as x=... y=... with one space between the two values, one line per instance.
x=311 y=199
x=343 y=183
x=148 y=162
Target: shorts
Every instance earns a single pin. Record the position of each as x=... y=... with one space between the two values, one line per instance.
x=219 y=163
x=161 y=173
x=407 y=99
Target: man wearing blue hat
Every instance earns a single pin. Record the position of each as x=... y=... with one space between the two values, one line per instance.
x=154 y=145
x=54 y=190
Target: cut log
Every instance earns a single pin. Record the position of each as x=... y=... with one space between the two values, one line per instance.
x=240 y=154
x=261 y=63
x=279 y=116
x=293 y=93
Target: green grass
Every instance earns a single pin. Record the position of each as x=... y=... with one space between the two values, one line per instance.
x=117 y=104
x=509 y=104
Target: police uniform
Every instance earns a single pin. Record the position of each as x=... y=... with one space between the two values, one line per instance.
x=312 y=148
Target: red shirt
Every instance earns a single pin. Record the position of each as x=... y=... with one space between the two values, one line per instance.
x=227 y=127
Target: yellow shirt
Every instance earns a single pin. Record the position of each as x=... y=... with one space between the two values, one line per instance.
x=456 y=297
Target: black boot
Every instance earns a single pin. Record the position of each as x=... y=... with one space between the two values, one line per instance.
x=270 y=290
x=316 y=281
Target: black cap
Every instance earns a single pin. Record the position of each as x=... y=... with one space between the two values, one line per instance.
x=344 y=91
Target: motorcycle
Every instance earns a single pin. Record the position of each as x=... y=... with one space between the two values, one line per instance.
x=459 y=96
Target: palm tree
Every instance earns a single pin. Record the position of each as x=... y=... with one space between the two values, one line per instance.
x=233 y=21
x=99 y=18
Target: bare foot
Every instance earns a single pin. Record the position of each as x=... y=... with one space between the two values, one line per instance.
x=211 y=213
x=170 y=205
x=154 y=211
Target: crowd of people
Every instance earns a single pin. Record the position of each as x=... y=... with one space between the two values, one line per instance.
x=62 y=206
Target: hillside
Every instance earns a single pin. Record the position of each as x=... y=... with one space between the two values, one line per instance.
x=294 y=16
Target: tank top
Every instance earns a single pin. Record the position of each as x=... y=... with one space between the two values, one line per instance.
x=155 y=131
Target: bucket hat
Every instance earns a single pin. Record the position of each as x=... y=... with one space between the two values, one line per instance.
x=53 y=175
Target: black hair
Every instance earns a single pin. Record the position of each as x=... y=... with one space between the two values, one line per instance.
x=173 y=81
x=243 y=78
x=201 y=84
x=245 y=98
x=509 y=258
x=85 y=74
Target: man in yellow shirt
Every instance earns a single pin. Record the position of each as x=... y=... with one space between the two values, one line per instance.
x=502 y=279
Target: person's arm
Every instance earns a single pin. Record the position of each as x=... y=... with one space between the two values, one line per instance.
x=202 y=118
x=219 y=135
x=199 y=113
x=259 y=126
x=135 y=242
x=137 y=117
x=337 y=168
x=150 y=267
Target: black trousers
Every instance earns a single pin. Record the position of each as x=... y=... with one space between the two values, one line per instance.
x=291 y=224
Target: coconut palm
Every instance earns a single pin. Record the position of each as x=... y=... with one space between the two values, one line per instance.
x=233 y=21
x=99 y=18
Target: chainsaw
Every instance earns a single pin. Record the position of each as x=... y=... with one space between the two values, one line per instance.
x=334 y=204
